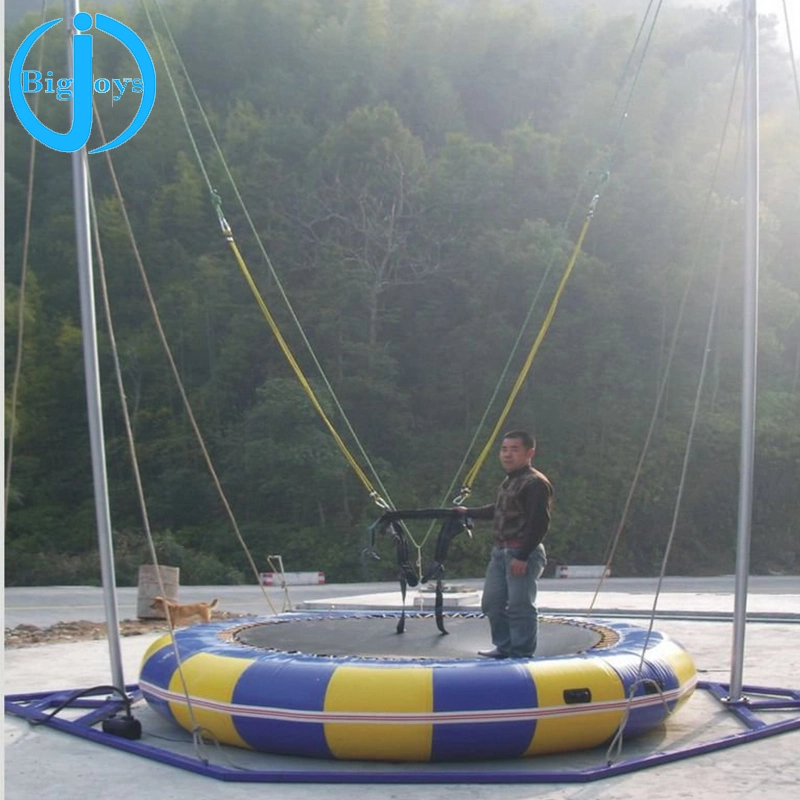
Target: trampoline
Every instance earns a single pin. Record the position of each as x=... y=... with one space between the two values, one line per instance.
x=345 y=685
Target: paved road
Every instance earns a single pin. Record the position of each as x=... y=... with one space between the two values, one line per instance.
x=763 y=770
x=47 y=605
x=50 y=765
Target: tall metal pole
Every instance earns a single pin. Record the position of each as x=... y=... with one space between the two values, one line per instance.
x=80 y=190
x=750 y=343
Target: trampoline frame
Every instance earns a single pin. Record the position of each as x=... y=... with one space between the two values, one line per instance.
x=34 y=706
x=289 y=701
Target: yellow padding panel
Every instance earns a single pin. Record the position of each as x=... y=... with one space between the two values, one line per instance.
x=162 y=641
x=212 y=678
x=580 y=730
x=681 y=664
x=380 y=691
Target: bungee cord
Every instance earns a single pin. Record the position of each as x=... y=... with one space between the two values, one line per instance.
x=381 y=498
x=26 y=240
x=603 y=175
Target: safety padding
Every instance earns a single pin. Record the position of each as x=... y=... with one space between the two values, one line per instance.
x=364 y=708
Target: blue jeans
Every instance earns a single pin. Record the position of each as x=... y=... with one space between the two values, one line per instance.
x=509 y=602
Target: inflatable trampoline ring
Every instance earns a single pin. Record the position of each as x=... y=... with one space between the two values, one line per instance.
x=344 y=685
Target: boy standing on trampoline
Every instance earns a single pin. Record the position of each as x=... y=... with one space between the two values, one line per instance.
x=521 y=517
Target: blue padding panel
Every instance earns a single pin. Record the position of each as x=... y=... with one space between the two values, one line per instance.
x=284 y=683
x=158 y=669
x=470 y=687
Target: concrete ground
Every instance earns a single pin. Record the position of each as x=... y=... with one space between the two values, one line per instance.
x=46 y=763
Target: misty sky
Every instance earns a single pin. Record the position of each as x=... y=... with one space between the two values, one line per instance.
x=792 y=8
x=774 y=7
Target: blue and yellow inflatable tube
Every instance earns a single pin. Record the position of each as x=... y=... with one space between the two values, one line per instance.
x=414 y=710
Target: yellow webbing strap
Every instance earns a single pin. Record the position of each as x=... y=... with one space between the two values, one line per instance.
x=469 y=480
x=226 y=229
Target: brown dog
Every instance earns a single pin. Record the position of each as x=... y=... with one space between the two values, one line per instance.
x=182 y=613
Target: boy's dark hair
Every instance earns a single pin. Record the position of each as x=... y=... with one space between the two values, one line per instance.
x=526 y=439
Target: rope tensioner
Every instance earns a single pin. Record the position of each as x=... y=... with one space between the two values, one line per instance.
x=216 y=201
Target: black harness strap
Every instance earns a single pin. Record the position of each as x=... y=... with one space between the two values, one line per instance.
x=451 y=527
x=408 y=575
x=453 y=523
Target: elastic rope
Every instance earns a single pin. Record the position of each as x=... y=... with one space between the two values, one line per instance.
x=469 y=480
x=626 y=68
x=611 y=147
x=797 y=95
x=684 y=471
x=276 y=565
x=378 y=498
x=791 y=54
x=623 y=115
x=173 y=367
x=26 y=238
x=617 y=740
x=181 y=110
x=614 y=750
x=129 y=433
x=506 y=367
x=615 y=747
x=301 y=376
x=612 y=547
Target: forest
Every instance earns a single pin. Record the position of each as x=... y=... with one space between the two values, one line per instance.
x=406 y=183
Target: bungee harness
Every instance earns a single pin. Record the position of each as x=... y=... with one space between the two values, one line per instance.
x=453 y=523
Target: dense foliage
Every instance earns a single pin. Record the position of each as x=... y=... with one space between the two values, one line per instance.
x=411 y=169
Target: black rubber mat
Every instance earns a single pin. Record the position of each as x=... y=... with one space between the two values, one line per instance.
x=374 y=636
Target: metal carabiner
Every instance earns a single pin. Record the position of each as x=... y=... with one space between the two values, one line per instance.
x=462 y=495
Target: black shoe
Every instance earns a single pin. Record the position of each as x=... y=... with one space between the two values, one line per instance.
x=493 y=653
